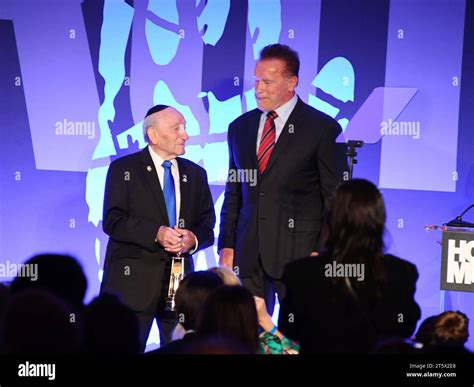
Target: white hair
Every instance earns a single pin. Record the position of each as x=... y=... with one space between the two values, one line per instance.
x=148 y=122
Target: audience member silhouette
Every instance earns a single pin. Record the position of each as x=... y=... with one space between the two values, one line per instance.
x=215 y=345
x=451 y=328
x=60 y=274
x=396 y=346
x=230 y=312
x=446 y=332
x=352 y=295
x=192 y=293
x=39 y=322
x=425 y=333
x=324 y=311
x=110 y=327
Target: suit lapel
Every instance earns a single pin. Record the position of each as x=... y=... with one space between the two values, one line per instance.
x=153 y=182
x=252 y=139
x=184 y=192
x=285 y=136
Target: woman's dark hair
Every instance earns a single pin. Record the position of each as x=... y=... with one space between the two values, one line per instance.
x=451 y=328
x=230 y=312
x=191 y=295
x=60 y=274
x=356 y=227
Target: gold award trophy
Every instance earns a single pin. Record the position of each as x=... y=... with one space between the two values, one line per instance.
x=176 y=275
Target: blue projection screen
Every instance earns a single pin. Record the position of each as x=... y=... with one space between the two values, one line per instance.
x=77 y=77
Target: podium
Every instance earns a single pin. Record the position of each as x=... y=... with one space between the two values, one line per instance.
x=457 y=260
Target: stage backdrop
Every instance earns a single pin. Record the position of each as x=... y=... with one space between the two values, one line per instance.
x=76 y=78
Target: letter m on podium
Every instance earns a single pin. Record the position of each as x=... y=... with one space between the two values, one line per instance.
x=457 y=261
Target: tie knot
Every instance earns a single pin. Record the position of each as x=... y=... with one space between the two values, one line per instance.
x=166 y=164
x=272 y=114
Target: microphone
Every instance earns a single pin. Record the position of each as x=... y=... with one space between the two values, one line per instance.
x=458 y=222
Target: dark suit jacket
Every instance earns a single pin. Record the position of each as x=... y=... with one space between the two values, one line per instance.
x=280 y=218
x=324 y=317
x=134 y=209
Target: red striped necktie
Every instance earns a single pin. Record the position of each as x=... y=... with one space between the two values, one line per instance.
x=267 y=142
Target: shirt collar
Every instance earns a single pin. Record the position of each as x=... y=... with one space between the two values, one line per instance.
x=158 y=160
x=285 y=110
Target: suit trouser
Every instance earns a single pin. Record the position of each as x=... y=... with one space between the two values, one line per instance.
x=166 y=319
x=264 y=286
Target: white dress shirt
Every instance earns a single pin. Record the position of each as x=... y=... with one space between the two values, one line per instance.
x=283 y=112
x=158 y=161
x=160 y=170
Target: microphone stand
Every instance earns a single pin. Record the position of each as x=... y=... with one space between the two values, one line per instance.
x=458 y=222
x=352 y=154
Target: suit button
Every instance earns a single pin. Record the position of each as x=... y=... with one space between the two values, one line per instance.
x=263 y=218
x=261 y=194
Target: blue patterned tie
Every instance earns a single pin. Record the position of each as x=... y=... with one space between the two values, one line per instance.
x=169 y=193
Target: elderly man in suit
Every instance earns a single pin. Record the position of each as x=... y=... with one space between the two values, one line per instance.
x=292 y=148
x=156 y=205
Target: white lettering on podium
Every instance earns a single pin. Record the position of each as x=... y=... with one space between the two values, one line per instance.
x=460 y=270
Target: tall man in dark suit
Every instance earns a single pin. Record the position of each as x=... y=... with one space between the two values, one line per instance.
x=156 y=205
x=291 y=146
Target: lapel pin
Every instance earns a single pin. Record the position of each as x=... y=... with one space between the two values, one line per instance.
x=148 y=168
x=185 y=178
x=291 y=128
